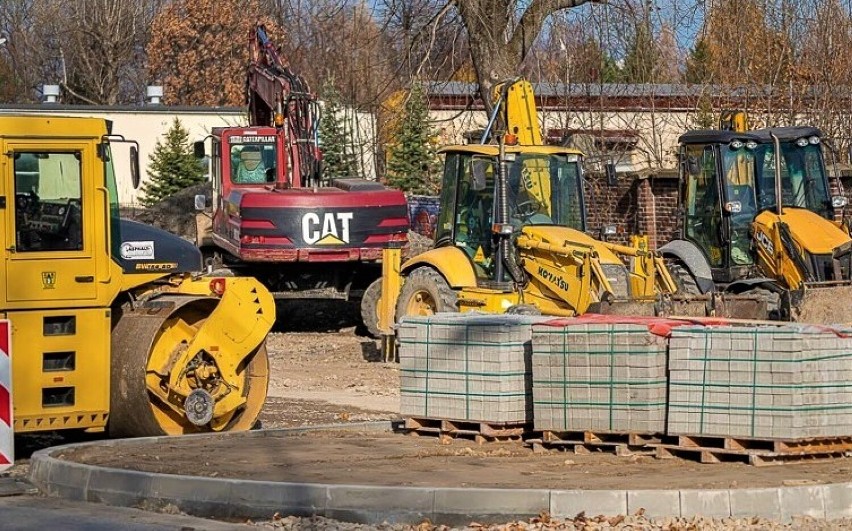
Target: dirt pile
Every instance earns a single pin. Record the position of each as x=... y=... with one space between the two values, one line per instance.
x=176 y=213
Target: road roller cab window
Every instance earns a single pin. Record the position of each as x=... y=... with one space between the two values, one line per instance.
x=48 y=201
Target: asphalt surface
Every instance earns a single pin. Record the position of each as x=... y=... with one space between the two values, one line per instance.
x=28 y=511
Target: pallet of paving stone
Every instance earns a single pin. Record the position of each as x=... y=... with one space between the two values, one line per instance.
x=481 y=432
x=599 y=377
x=585 y=442
x=757 y=452
x=468 y=367
x=788 y=382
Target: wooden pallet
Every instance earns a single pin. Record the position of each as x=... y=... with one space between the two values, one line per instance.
x=586 y=442
x=481 y=432
x=757 y=452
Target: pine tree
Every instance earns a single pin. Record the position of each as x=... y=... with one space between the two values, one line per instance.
x=173 y=166
x=412 y=162
x=642 y=57
x=335 y=135
x=698 y=64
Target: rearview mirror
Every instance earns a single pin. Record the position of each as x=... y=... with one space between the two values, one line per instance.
x=692 y=166
x=198 y=149
x=200 y=202
x=135 y=177
x=479 y=169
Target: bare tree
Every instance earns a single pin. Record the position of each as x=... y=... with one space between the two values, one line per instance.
x=501 y=34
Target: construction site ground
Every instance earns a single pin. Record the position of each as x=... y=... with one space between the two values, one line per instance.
x=324 y=372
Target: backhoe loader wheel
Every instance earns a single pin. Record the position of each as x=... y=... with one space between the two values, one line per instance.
x=370 y=308
x=685 y=282
x=425 y=292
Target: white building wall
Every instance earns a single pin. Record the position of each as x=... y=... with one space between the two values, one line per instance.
x=149 y=124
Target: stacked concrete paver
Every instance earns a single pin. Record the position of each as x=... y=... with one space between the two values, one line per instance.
x=763 y=382
x=604 y=377
x=466 y=367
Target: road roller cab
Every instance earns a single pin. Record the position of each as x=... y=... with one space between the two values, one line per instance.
x=110 y=329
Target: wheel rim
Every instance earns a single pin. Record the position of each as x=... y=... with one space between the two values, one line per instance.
x=421 y=303
x=254 y=371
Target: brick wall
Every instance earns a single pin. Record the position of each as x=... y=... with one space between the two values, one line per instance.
x=636 y=204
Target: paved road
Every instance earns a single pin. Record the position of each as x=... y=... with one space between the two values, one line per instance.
x=31 y=512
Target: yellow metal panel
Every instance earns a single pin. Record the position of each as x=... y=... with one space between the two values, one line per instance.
x=44 y=343
x=451 y=262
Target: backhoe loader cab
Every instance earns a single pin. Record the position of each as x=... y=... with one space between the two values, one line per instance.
x=804 y=181
x=753 y=222
x=718 y=200
x=544 y=188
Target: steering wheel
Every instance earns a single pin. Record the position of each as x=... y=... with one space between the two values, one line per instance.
x=526 y=209
x=26 y=202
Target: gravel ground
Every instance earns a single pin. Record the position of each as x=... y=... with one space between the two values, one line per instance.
x=580 y=523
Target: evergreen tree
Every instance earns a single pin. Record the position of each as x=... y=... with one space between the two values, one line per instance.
x=173 y=166
x=412 y=162
x=698 y=64
x=642 y=57
x=335 y=135
x=704 y=117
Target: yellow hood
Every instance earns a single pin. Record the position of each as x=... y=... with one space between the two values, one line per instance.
x=812 y=232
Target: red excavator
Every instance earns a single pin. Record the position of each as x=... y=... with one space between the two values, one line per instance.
x=274 y=216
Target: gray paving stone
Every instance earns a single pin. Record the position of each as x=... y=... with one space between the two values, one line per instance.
x=117 y=487
x=491 y=501
x=713 y=503
x=655 y=502
x=569 y=503
x=755 y=502
x=802 y=501
x=838 y=500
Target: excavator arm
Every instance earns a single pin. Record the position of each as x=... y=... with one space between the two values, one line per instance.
x=276 y=96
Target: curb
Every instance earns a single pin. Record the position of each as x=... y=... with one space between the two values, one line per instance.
x=370 y=504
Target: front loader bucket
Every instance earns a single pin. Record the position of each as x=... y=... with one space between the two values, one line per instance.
x=708 y=305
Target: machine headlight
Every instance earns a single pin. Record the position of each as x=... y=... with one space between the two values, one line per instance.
x=814 y=140
x=802 y=142
x=751 y=144
x=736 y=144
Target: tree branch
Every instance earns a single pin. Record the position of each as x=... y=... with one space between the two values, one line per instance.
x=532 y=21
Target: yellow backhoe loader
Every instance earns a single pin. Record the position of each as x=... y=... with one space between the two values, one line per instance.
x=758 y=218
x=511 y=234
x=110 y=330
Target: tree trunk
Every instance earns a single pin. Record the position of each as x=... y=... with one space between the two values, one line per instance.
x=499 y=40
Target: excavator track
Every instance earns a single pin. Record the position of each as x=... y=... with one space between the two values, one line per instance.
x=163 y=328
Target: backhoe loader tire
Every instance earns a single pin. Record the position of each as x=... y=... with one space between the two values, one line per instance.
x=424 y=293
x=683 y=279
x=523 y=309
x=370 y=307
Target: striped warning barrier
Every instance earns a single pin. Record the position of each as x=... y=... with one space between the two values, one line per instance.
x=7 y=439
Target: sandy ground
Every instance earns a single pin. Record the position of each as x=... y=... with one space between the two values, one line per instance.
x=324 y=372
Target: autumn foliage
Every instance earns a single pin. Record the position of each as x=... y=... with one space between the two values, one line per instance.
x=199 y=50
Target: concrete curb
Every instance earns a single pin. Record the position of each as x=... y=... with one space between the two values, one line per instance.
x=369 y=504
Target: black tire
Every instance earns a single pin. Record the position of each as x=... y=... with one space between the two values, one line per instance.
x=425 y=292
x=683 y=279
x=523 y=309
x=370 y=307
